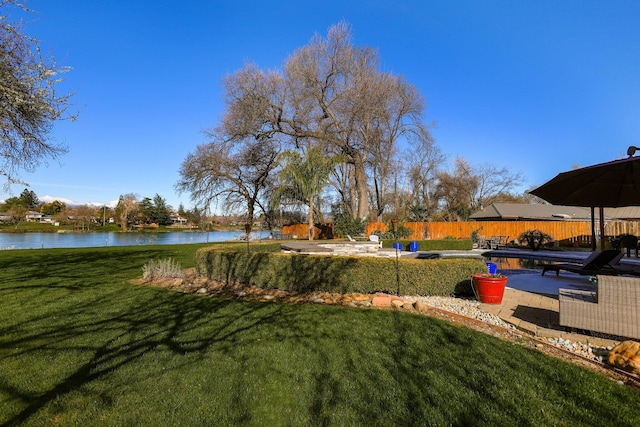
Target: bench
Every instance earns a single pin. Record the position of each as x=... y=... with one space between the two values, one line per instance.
x=613 y=308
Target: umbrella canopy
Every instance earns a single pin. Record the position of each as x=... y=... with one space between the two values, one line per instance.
x=611 y=185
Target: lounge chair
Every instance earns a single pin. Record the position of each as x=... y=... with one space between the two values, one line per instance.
x=604 y=263
x=375 y=238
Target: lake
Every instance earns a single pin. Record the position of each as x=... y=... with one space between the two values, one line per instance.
x=87 y=240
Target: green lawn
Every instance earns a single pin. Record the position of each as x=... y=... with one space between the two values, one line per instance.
x=79 y=345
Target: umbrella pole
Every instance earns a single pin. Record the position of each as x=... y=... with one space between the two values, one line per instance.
x=601 y=216
x=593 y=229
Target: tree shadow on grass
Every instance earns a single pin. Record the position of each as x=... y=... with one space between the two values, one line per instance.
x=117 y=334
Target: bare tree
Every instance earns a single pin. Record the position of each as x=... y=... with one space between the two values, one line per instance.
x=238 y=172
x=83 y=216
x=331 y=93
x=425 y=161
x=29 y=102
x=468 y=188
x=455 y=191
x=395 y=114
x=494 y=184
x=126 y=209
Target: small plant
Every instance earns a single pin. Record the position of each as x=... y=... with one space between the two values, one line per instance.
x=163 y=268
x=535 y=239
x=475 y=235
x=491 y=276
x=345 y=225
x=402 y=232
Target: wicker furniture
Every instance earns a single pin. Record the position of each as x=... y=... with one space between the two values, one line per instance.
x=613 y=308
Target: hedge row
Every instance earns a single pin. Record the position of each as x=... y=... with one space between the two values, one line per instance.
x=267 y=269
x=433 y=245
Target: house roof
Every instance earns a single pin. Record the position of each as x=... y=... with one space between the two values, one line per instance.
x=631 y=213
x=545 y=212
x=535 y=212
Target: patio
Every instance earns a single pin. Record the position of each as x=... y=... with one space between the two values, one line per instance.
x=531 y=301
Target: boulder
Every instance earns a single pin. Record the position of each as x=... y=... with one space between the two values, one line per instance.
x=626 y=356
x=398 y=303
x=420 y=306
x=381 y=301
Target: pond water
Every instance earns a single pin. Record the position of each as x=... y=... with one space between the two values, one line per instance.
x=505 y=263
x=525 y=263
x=86 y=240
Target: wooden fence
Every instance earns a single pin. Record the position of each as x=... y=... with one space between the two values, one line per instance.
x=565 y=232
x=569 y=231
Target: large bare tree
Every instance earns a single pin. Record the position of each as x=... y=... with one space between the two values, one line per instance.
x=331 y=93
x=29 y=101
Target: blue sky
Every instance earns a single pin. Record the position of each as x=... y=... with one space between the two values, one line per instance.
x=537 y=86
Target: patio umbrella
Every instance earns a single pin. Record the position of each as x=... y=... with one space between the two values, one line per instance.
x=613 y=184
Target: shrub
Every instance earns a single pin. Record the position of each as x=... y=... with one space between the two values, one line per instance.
x=535 y=239
x=475 y=235
x=346 y=225
x=306 y=273
x=403 y=232
x=163 y=268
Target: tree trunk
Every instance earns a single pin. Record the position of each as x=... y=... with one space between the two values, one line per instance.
x=311 y=218
x=361 y=186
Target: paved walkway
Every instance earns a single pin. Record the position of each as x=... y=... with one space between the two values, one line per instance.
x=530 y=303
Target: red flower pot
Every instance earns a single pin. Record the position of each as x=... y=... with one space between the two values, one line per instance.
x=488 y=290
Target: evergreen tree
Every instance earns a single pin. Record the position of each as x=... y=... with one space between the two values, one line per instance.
x=29 y=199
x=161 y=214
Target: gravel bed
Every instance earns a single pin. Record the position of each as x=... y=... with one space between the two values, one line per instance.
x=464 y=307
x=472 y=310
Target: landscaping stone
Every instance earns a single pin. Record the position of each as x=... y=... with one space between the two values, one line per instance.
x=420 y=306
x=381 y=301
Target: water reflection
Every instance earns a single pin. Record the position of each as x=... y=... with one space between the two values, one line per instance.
x=512 y=263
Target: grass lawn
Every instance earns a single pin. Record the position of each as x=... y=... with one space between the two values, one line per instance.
x=80 y=345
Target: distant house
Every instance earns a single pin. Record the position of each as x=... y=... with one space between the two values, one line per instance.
x=33 y=216
x=5 y=217
x=544 y=212
x=177 y=219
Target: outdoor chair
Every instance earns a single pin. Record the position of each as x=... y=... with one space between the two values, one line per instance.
x=484 y=243
x=498 y=242
x=605 y=263
x=629 y=242
x=375 y=238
